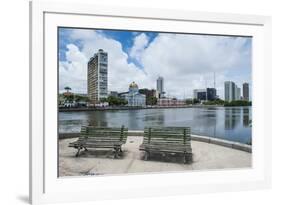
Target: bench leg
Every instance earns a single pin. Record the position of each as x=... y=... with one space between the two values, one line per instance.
x=120 y=151
x=146 y=155
x=187 y=158
x=116 y=152
x=184 y=158
x=77 y=154
x=164 y=158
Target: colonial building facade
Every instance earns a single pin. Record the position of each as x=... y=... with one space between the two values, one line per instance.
x=133 y=97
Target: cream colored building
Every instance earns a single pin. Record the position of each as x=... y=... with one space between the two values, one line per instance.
x=133 y=97
x=97 y=77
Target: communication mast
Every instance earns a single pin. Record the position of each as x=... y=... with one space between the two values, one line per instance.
x=214 y=79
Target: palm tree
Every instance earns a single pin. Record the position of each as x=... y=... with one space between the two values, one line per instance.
x=67 y=89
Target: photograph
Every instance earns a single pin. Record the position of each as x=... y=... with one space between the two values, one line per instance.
x=136 y=102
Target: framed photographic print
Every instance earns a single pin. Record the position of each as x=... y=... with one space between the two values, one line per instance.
x=129 y=102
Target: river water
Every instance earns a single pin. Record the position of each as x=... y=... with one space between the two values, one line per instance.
x=231 y=123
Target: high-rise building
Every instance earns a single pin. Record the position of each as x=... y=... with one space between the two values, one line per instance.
x=200 y=94
x=246 y=91
x=160 y=87
x=238 y=93
x=205 y=94
x=211 y=93
x=229 y=91
x=97 y=77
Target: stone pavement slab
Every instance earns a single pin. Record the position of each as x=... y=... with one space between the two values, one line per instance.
x=99 y=162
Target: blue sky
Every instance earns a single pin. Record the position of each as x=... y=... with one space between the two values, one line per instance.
x=126 y=38
x=185 y=61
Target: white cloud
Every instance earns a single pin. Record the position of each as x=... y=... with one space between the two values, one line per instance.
x=189 y=62
x=140 y=43
x=72 y=72
x=185 y=62
x=120 y=72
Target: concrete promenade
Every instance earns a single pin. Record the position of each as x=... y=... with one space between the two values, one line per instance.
x=206 y=156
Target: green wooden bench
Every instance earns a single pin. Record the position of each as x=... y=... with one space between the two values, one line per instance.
x=101 y=137
x=163 y=140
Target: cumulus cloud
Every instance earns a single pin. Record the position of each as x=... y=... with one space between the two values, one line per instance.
x=186 y=62
x=189 y=62
x=120 y=72
x=73 y=72
x=140 y=43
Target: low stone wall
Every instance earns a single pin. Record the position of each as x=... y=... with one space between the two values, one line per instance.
x=222 y=142
x=211 y=140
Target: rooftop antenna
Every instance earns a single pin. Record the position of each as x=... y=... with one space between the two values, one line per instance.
x=214 y=79
x=206 y=89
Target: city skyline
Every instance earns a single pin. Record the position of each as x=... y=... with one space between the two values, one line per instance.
x=141 y=57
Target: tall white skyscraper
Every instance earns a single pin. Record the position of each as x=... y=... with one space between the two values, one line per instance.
x=238 y=93
x=160 y=87
x=97 y=76
x=231 y=91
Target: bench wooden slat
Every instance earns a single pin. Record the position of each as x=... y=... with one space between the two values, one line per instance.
x=168 y=143
x=167 y=139
x=103 y=129
x=101 y=137
x=97 y=144
x=168 y=136
x=91 y=136
x=168 y=129
x=157 y=148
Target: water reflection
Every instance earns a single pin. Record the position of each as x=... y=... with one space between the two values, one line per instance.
x=246 y=117
x=228 y=123
x=99 y=119
x=232 y=118
x=132 y=119
x=204 y=121
x=157 y=118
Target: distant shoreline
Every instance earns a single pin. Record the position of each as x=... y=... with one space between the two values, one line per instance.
x=139 y=108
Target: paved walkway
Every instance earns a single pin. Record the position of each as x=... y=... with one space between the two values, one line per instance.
x=205 y=156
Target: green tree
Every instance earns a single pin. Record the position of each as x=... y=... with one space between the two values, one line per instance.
x=195 y=101
x=150 y=100
x=123 y=101
x=79 y=98
x=116 y=101
x=102 y=100
x=238 y=103
x=215 y=102
x=188 y=101
x=70 y=98
x=67 y=88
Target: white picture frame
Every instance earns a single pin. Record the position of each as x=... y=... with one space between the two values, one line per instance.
x=46 y=187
